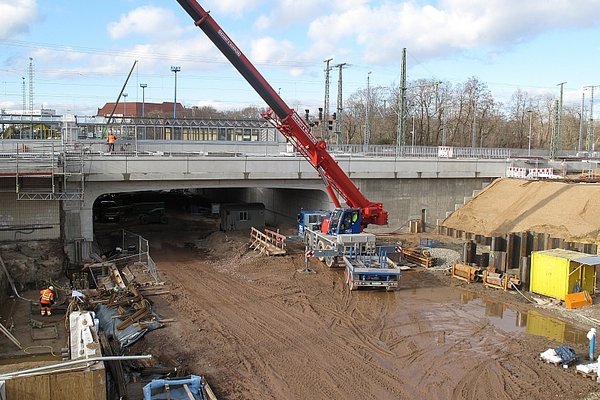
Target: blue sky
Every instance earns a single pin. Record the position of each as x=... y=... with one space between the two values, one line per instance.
x=82 y=51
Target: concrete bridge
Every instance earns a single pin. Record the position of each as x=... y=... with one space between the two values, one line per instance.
x=408 y=185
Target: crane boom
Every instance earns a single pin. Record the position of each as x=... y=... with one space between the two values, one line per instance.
x=289 y=122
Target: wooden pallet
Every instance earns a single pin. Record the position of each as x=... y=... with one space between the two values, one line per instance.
x=557 y=363
x=592 y=375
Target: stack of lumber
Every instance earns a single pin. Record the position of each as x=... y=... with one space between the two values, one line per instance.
x=419 y=256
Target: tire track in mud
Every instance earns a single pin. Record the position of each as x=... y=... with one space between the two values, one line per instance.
x=238 y=319
x=275 y=333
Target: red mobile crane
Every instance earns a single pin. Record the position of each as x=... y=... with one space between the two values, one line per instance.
x=289 y=123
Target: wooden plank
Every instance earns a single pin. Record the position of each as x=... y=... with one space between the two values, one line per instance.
x=115 y=367
x=188 y=392
x=128 y=275
x=209 y=392
x=32 y=387
x=10 y=336
x=74 y=385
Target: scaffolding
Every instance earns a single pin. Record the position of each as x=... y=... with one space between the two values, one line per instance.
x=46 y=171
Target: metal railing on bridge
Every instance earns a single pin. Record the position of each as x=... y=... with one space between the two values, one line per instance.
x=11 y=149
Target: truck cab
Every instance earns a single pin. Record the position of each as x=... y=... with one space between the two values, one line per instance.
x=343 y=221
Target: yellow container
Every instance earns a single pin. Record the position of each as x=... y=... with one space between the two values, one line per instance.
x=556 y=273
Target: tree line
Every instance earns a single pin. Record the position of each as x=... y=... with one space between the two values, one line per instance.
x=439 y=113
x=465 y=115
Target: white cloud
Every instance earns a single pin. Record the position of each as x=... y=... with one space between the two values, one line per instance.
x=268 y=49
x=382 y=30
x=235 y=8
x=148 y=20
x=15 y=17
x=289 y=12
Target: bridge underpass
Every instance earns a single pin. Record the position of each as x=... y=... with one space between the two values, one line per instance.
x=404 y=198
x=285 y=184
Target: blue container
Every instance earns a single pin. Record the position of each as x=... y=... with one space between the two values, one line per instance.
x=155 y=390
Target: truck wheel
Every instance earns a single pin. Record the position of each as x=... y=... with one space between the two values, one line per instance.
x=143 y=219
x=321 y=246
x=163 y=220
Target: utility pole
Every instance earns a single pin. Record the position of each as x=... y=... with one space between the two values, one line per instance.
x=474 y=133
x=325 y=125
x=400 y=138
x=31 y=95
x=24 y=104
x=367 y=137
x=24 y=96
x=556 y=143
x=340 y=107
x=31 y=85
x=581 y=123
x=554 y=137
x=590 y=127
x=530 y=112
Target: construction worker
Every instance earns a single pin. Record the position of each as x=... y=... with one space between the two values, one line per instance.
x=111 y=142
x=46 y=300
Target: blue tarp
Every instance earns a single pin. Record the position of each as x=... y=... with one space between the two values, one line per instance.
x=566 y=354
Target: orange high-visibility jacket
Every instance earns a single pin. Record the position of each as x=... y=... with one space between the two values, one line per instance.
x=111 y=138
x=46 y=296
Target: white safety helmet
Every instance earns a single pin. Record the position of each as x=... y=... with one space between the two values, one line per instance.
x=51 y=287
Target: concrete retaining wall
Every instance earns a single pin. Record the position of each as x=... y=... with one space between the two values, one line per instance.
x=40 y=219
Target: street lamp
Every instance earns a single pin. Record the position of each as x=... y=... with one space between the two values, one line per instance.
x=529 y=137
x=175 y=70
x=124 y=114
x=124 y=104
x=143 y=86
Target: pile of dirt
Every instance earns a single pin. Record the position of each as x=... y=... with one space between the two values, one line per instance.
x=570 y=211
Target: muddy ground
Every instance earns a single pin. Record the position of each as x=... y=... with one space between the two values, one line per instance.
x=257 y=328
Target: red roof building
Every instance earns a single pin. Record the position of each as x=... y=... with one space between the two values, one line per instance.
x=134 y=109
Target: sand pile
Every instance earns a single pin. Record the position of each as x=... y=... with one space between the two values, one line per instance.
x=565 y=210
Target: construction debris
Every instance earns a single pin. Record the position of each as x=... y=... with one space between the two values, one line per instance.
x=502 y=281
x=564 y=355
x=589 y=370
x=419 y=256
x=465 y=272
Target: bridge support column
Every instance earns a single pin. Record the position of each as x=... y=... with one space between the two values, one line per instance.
x=78 y=229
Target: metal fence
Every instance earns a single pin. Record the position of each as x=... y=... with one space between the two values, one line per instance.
x=10 y=149
x=134 y=248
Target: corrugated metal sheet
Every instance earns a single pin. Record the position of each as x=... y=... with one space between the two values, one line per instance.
x=589 y=260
